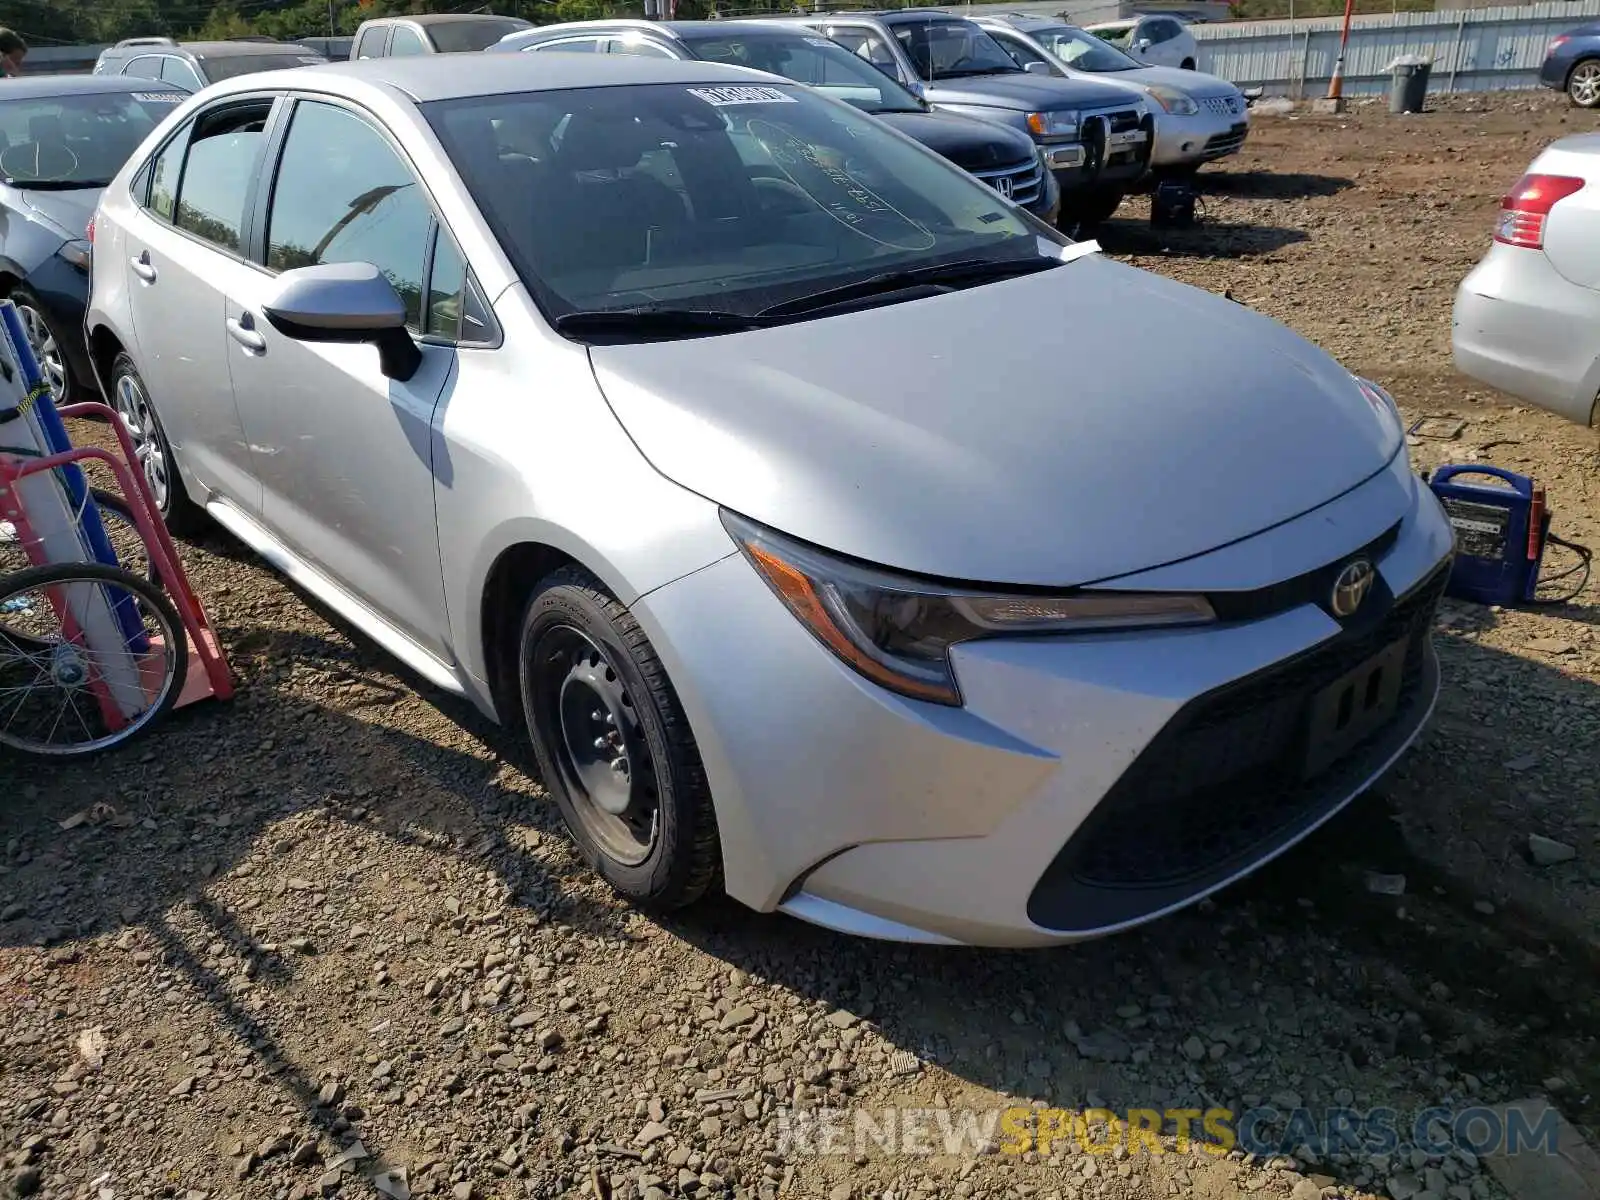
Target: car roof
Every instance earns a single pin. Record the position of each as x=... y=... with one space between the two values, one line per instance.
x=1129 y=23
x=441 y=18
x=428 y=77
x=44 y=86
x=234 y=49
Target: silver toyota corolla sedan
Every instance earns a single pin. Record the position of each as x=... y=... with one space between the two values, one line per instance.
x=823 y=517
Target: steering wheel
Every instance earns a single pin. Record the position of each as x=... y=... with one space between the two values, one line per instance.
x=33 y=161
x=787 y=197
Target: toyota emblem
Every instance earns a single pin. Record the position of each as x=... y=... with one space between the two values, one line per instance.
x=1004 y=186
x=1351 y=587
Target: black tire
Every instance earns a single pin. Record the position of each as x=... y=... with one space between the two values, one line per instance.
x=577 y=642
x=1090 y=207
x=22 y=297
x=1583 y=83
x=182 y=515
x=1187 y=64
x=173 y=635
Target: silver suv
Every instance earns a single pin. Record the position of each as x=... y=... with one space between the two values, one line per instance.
x=194 y=65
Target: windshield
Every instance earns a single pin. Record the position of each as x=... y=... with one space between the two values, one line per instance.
x=809 y=59
x=1117 y=35
x=952 y=49
x=1078 y=49
x=462 y=37
x=78 y=140
x=677 y=197
x=228 y=66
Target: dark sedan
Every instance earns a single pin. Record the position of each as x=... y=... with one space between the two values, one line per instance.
x=62 y=138
x=1572 y=65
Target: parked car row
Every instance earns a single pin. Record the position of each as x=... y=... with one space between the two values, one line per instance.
x=1100 y=121
x=636 y=398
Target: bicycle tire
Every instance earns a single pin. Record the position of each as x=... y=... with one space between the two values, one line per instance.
x=113 y=509
x=173 y=634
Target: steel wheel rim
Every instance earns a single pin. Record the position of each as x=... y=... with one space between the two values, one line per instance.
x=593 y=732
x=1585 y=84
x=133 y=406
x=52 y=365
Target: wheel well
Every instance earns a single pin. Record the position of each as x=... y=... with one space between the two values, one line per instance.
x=7 y=282
x=512 y=577
x=1188 y=64
x=103 y=350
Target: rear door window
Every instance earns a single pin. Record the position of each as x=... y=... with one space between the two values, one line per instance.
x=218 y=172
x=371 y=42
x=405 y=42
x=175 y=70
x=146 y=66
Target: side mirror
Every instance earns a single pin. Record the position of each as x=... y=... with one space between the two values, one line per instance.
x=918 y=89
x=346 y=302
x=1142 y=45
x=1036 y=68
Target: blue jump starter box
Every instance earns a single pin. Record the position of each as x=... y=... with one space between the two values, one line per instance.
x=1500 y=531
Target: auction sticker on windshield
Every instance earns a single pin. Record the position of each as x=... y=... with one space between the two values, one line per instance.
x=159 y=97
x=724 y=96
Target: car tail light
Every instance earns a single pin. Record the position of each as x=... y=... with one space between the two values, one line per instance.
x=1557 y=43
x=1525 y=207
x=88 y=232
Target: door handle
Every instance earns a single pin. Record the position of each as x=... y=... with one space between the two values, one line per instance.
x=242 y=329
x=143 y=267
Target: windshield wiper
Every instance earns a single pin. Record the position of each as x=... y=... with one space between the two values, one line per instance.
x=945 y=277
x=657 y=322
x=57 y=185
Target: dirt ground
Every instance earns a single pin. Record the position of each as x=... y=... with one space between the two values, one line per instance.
x=330 y=939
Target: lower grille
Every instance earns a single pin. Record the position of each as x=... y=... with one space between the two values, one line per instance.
x=1223 y=782
x=1021 y=182
x=1223 y=143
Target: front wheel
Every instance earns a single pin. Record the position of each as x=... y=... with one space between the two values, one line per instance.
x=44 y=339
x=1583 y=84
x=613 y=745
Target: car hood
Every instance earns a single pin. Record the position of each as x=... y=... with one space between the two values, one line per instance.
x=1026 y=93
x=67 y=213
x=1190 y=83
x=965 y=141
x=1061 y=428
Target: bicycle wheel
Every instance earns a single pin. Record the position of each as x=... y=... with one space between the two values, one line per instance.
x=59 y=695
x=132 y=554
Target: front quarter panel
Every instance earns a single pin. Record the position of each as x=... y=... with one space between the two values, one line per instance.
x=527 y=451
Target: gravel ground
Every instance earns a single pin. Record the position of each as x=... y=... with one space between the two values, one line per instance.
x=330 y=940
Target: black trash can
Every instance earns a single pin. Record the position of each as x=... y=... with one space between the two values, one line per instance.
x=1409 y=87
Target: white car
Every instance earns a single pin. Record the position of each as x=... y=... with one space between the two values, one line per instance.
x=1527 y=319
x=1154 y=41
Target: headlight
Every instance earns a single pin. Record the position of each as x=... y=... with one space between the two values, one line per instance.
x=77 y=253
x=1382 y=403
x=1173 y=101
x=1053 y=124
x=897 y=631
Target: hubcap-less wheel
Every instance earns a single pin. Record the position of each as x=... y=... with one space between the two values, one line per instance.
x=52 y=365
x=604 y=760
x=1584 y=86
x=133 y=406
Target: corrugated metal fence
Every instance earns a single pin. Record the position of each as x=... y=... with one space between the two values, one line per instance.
x=1473 y=50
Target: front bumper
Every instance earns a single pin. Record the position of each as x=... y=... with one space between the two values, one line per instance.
x=63 y=291
x=1088 y=785
x=1522 y=327
x=1201 y=138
